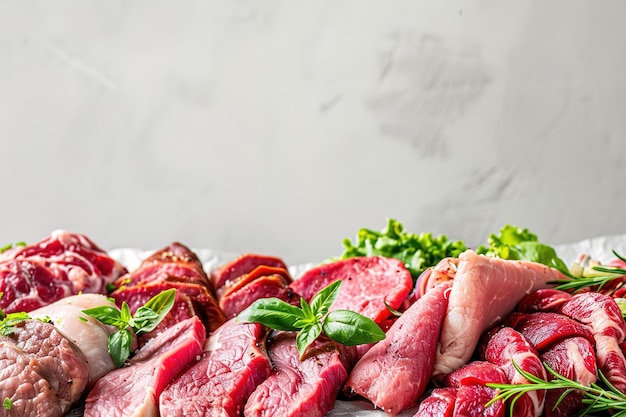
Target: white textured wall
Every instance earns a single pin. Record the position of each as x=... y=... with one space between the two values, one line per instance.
x=282 y=126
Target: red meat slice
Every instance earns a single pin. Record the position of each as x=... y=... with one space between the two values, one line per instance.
x=603 y=315
x=573 y=358
x=507 y=346
x=134 y=389
x=306 y=387
x=543 y=300
x=545 y=329
x=472 y=394
x=404 y=360
x=219 y=384
x=367 y=284
x=235 y=301
x=440 y=403
x=244 y=264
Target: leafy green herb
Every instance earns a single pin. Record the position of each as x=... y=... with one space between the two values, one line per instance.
x=597 y=277
x=10 y=320
x=146 y=318
x=418 y=252
x=595 y=397
x=7 y=403
x=520 y=244
x=310 y=320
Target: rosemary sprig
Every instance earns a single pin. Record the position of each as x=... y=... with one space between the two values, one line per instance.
x=596 y=276
x=595 y=397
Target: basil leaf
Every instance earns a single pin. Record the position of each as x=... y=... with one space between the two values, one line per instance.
x=119 y=346
x=272 y=312
x=307 y=313
x=325 y=298
x=350 y=328
x=306 y=336
x=148 y=316
x=107 y=315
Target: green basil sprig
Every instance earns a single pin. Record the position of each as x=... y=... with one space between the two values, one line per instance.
x=310 y=320
x=146 y=318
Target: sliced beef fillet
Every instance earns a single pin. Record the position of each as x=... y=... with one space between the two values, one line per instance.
x=507 y=346
x=485 y=289
x=603 y=315
x=243 y=264
x=59 y=360
x=61 y=265
x=367 y=284
x=395 y=372
x=267 y=286
x=174 y=266
x=25 y=386
x=303 y=388
x=134 y=389
x=231 y=367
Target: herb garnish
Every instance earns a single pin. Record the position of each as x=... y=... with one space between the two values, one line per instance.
x=146 y=318
x=11 y=245
x=596 y=276
x=7 y=403
x=595 y=397
x=310 y=320
x=8 y=321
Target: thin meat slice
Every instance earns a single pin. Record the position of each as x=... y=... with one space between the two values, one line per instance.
x=260 y=271
x=134 y=389
x=367 y=284
x=301 y=387
x=575 y=359
x=604 y=316
x=485 y=289
x=243 y=264
x=24 y=385
x=507 y=346
x=404 y=360
x=440 y=403
x=219 y=383
x=545 y=329
x=237 y=300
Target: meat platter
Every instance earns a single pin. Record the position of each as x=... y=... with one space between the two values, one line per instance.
x=333 y=358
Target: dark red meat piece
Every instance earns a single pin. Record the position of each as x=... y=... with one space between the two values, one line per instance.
x=244 y=264
x=367 y=284
x=544 y=300
x=440 y=403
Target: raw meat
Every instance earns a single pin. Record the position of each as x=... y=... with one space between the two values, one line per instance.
x=604 y=316
x=545 y=329
x=395 y=372
x=24 y=385
x=543 y=300
x=235 y=301
x=484 y=290
x=60 y=265
x=507 y=346
x=367 y=284
x=573 y=358
x=134 y=389
x=174 y=266
x=218 y=384
x=440 y=403
x=304 y=387
x=244 y=264
x=471 y=392
x=87 y=333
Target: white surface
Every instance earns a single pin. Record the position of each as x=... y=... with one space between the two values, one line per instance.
x=282 y=127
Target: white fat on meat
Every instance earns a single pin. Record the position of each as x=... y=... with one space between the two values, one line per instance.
x=484 y=290
x=87 y=333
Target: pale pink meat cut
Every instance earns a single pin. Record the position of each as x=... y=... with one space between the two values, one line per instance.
x=396 y=371
x=134 y=390
x=484 y=290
